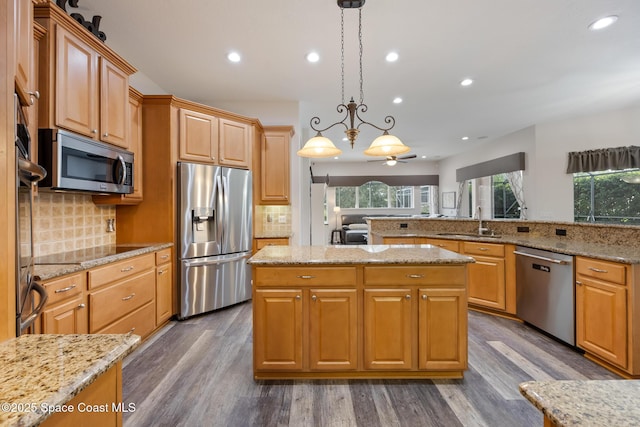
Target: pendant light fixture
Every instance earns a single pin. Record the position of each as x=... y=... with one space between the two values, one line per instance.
x=384 y=145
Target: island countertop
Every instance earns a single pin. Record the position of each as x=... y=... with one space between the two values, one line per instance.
x=357 y=254
x=43 y=371
x=586 y=403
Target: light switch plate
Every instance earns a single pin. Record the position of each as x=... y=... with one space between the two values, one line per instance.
x=282 y=219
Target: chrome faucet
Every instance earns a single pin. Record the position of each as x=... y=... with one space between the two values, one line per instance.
x=481 y=229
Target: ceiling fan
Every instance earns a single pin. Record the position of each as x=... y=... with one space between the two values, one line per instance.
x=392 y=160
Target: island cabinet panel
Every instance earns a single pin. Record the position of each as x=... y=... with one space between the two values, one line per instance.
x=388 y=329
x=414 y=275
x=306 y=276
x=602 y=313
x=333 y=323
x=277 y=326
x=442 y=329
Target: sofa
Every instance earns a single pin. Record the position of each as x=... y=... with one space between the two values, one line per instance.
x=355 y=230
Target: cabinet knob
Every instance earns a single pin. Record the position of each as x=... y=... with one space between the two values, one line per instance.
x=415 y=276
x=407 y=296
x=313 y=297
x=298 y=297
x=94 y=131
x=579 y=283
x=35 y=94
x=105 y=135
x=82 y=305
x=424 y=296
x=128 y=297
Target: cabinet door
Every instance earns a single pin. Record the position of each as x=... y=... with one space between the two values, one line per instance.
x=442 y=329
x=387 y=329
x=198 y=136
x=601 y=319
x=486 y=279
x=234 y=148
x=76 y=85
x=333 y=322
x=275 y=176
x=114 y=105
x=163 y=293
x=135 y=145
x=24 y=50
x=277 y=328
x=66 y=318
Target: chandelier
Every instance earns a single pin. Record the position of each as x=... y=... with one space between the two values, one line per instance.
x=384 y=145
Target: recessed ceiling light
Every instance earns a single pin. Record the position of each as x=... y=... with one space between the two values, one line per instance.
x=465 y=138
x=397 y=100
x=466 y=82
x=423 y=157
x=313 y=57
x=392 y=57
x=603 y=22
x=233 y=57
x=336 y=158
x=345 y=139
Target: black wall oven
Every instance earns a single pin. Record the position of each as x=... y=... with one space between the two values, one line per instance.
x=76 y=163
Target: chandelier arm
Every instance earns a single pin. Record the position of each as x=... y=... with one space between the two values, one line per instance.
x=315 y=121
x=388 y=120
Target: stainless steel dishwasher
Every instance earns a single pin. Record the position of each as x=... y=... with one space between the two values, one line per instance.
x=545 y=294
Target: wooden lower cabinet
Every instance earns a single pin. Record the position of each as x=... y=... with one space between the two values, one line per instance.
x=602 y=311
x=69 y=317
x=105 y=392
x=388 y=329
x=164 y=291
x=370 y=322
x=261 y=242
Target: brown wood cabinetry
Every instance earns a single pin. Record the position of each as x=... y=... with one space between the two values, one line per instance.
x=84 y=85
x=104 y=392
x=261 y=242
x=135 y=146
x=164 y=300
x=275 y=177
x=66 y=311
x=207 y=138
x=486 y=275
x=602 y=313
x=359 y=321
x=450 y=245
x=24 y=77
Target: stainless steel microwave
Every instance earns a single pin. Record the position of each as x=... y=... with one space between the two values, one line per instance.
x=77 y=163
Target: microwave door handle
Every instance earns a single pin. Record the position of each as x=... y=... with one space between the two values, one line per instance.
x=120 y=171
x=36 y=311
x=30 y=172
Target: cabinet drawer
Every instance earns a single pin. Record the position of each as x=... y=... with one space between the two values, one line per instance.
x=163 y=256
x=107 y=305
x=140 y=322
x=119 y=270
x=65 y=287
x=301 y=276
x=261 y=243
x=450 y=245
x=484 y=249
x=415 y=275
x=604 y=270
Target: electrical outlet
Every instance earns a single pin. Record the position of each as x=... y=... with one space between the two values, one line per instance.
x=403 y=225
x=523 y=229
x=282 y=219
x=561 y=232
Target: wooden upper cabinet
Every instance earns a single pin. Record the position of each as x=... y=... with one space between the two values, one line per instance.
x=25 y=85
x=76 y=85
x=274 y=165
x=198 y=136
x=234 y=147
x=114 y=105
x=84 y=85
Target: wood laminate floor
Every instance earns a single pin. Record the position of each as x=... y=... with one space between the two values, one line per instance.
x=198 y=372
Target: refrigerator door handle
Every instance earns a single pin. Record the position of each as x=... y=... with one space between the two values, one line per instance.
x=214 y=260
x=220 y=213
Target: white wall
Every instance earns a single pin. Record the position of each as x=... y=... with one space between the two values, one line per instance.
x=548 y=189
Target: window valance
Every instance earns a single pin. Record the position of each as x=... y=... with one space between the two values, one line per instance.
x=617 y=158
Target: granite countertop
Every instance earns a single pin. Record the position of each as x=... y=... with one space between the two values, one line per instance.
x=55 y=265
x=357 y=254
x=586 y=403
x=625 y=254
x=40 y=371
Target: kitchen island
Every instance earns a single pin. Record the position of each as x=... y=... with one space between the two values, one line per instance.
x=63 y=379
x=360 y=311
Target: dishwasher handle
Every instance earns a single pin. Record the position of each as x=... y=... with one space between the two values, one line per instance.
x=543 y=258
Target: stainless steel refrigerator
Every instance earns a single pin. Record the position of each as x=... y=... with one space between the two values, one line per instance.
x=215 y=220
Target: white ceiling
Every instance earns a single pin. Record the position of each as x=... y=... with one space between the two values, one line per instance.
x=532 y=60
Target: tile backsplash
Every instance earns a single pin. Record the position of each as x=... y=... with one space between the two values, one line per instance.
x=273 y=219
x=64 y=222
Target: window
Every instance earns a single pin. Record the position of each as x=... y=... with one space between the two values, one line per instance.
x=375 y=194
x=505 y=204
x=607 y=197
x=425 y=199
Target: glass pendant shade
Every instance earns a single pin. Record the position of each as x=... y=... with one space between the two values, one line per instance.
x=386 y=145
x=319 y=146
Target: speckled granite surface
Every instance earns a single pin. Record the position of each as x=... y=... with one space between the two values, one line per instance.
x=357 y=254
x=37 y=371
x=50 y=266
x=586 y=403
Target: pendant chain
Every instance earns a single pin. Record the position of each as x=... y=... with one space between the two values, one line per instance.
x=360 y=39
x=342 y=49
